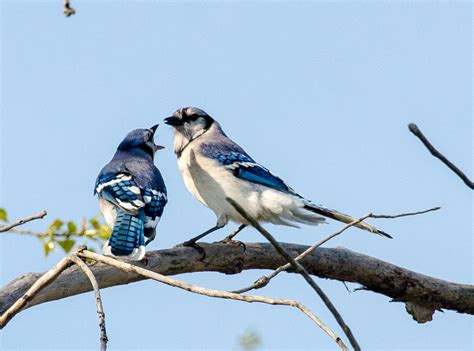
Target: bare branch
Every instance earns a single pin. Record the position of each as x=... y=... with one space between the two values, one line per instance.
x=265 y=279
x=417 y=132
x=8 y=227
x=301 y=270
x=41 y=283
x=209 y=292
x=98 y=299
x=40 y=235
x=399 y=284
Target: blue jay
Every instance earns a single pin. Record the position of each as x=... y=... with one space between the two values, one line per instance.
x=215 y=168
x=132 y=195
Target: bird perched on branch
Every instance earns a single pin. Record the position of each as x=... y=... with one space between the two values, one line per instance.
x=132 y=195
x=215 y=168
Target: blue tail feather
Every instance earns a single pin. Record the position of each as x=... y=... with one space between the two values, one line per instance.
x=128 y=233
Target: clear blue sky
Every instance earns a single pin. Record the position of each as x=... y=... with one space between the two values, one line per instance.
x=320 y=92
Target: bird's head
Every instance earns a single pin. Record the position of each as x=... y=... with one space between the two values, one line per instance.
x=190 y=122
x=141 y=139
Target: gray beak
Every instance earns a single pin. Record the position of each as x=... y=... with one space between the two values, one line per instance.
x=152 y=144
x=173 y=121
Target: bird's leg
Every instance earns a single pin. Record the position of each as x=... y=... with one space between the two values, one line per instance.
x=192 y=242
x=228 y=238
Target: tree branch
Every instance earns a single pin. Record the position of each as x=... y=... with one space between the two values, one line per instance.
x=296 y=265
x=417 y=132
x=127 y=267
x=264 y=280
x=98 y=300
x=8 y=227
x=400 y=284
x=33 y=290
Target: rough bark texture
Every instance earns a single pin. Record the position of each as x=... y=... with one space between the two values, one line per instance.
x=400 y=284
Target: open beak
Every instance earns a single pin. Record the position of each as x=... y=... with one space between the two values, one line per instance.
x=153 y=129
x=173 y=121
x=152 y=144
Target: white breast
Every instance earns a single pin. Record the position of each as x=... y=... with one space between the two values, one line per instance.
x=108 y=210
x=211 y=183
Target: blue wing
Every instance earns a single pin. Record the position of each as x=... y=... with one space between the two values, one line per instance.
x=243 y=166
x=121 y=190
x=258 y=174
x=155 y=201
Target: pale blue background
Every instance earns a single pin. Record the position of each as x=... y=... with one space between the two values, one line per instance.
x=320 y=92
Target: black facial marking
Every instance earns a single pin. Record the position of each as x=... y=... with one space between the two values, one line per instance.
x=209 y=121
x=192 y=117
x=189 y=118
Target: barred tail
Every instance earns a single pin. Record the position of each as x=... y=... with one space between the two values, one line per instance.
x=127 y=238
x=341 y=217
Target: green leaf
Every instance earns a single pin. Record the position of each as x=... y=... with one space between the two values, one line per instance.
x=95 y=223
x=66 y=244
x=3 y=215
x=48 y=247
x=56 y=225
x=71 y=227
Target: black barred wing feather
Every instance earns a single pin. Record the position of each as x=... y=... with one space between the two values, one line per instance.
x=155 y=201
x=121 y=190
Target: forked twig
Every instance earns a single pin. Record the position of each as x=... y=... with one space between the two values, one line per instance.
x=417 y=132
x=265 y=279
x=127 y=267
x=301 y=270
x=98 y=300
x=48 y=278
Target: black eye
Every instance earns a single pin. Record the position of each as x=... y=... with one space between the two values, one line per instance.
x=191 y=118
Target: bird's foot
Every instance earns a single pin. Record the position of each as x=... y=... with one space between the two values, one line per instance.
x=228 y=241
x=195 y=246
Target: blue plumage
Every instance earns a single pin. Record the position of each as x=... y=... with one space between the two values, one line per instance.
x=243 y=166
x=261 y=175
x=132 y=195
x=216 y=169
x=128 y=233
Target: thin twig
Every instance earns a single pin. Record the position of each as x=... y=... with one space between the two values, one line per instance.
x=39 y=235
x=417 y=132
x=68 y=10
x=371 y=215
x=41 y=283
x=265 y=279
x=29 y=232
x=209 y=292
x=98 y=301
x=301 y=270
x=8 y=227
